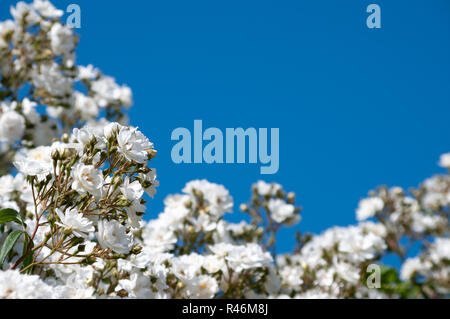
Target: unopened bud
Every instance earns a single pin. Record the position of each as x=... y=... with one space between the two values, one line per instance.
x=45 y=54
x=117 y=180
x=89 y=260
x=67 y=231
x=122 y=293
x=151 y=153
x=47 y=236
x=123 y=201
x=136 y=250
x=65 y=138
x=190 y=229
x=291 y=197
x=188 y=204
x=55 y=155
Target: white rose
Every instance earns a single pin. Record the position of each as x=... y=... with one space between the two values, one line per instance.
x=12 y=126
x=86 y=106
x=29 y=110
x=201 y=287
x=279 y=210
x=126 y=96
x=445 y=160
x=71 y=219
x=242 y=257
x=368 y=207
x=86 y=178
x=47 y=9
x=110 y=129
x=112 y=235
x=133 y=144
x=62 y=39
x=35 y=162
x=131 y=191
x=87 y=72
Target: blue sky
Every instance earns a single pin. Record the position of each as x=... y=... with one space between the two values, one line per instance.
x=356 y=107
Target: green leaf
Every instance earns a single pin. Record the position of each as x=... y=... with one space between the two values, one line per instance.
x=389 y=275
x=8 y=245
x=10 y=215
x=28 y=246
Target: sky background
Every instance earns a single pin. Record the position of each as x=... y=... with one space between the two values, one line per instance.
x=356 y=107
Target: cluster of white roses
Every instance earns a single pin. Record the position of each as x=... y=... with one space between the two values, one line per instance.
x=71 y=213
x=42 y=92
x=78 y=203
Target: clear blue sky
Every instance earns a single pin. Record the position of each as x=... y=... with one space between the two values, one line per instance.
x=356 y=107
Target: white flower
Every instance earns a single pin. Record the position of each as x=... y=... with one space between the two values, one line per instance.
x=112 y=235
x=71 y=219
x=150 y=178
x=133 y=145
x=221 y=249
x=138 y=286
x=279 y=210
x=242 y=257
x=35 y=162
x=126 y=96
x=368 y=207
x=87 y=72
x=21 y=10
x=213 y=263
x=6 y=186
x=7 y=27
x=157 y=238
x=359 y=246
x=111 y=129
x=106 y=91
x=61 y=39
x=186 y=267
x=421 y=222
x=200 y=287
x=346 y=271
x=86 y=178
x=12 y=126
x=376 y=228
x=87 y=134
x=46 y=9
x=216 y=196
x=48 y=76
x=292 y=276
x=131 y=191
x=248 y=256
x=45 y=132
x=412 y=266
x=14 y=285
x=440 y=250
x=266 y=189
x=262 y=188
x=445 y=160
x=29 y=111
x=132 y=212
x=86 y=106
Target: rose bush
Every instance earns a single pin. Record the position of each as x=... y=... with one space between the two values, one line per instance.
x=74 y=173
